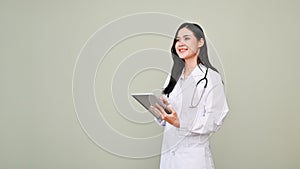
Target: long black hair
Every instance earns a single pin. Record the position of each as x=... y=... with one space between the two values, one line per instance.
x=178 y=63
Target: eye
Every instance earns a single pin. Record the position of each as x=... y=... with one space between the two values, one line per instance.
x=187 y=38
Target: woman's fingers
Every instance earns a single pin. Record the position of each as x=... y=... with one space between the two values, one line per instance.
x=171 y=118
x=157 y=111
x=165 y=101
x=161 y=109
x=170 y=108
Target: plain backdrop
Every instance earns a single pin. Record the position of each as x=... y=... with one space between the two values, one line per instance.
x=258 y=43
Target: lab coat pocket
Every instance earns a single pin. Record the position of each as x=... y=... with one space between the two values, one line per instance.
x=201 y=110
x=198 y=120
x=191 y=158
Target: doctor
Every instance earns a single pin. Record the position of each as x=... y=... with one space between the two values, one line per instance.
x=195 y=96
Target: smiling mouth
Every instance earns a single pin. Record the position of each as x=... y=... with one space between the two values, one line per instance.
x=182 y=50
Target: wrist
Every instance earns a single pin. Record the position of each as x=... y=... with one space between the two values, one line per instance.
x=177 y=124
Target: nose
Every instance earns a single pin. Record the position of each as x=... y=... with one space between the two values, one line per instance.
x=180 y=43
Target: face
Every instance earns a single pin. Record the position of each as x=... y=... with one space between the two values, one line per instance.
x=187 y=45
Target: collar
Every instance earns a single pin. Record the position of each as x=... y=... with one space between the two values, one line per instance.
x=196 y=72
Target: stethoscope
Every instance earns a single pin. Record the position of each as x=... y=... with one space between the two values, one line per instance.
x=193 y=97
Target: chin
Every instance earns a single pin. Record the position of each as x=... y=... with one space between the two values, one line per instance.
x=182 y=56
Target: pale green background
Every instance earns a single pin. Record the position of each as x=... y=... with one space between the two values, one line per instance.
x=258 y=42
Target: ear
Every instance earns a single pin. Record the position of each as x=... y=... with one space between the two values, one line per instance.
x=200 y=42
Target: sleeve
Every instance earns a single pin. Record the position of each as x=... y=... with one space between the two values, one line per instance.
x=160 y=121
x=214 y=112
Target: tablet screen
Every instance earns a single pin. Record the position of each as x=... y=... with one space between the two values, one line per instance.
x=146 y=100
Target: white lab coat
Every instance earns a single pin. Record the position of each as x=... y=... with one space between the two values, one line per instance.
x=187 y=147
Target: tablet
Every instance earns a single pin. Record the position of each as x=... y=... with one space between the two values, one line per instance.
x=148 y=99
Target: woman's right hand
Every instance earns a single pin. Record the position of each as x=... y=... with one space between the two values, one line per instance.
x=170 y=118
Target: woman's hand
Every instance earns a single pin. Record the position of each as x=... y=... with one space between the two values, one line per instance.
x=170 y=118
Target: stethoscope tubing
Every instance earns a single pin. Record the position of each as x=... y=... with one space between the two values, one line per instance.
x=193 y=97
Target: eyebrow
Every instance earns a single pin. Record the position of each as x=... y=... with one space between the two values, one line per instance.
x=183 y=36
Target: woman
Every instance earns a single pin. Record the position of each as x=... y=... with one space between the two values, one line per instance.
x=195 y=97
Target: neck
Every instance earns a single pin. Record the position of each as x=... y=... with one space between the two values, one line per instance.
x=189 y=66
